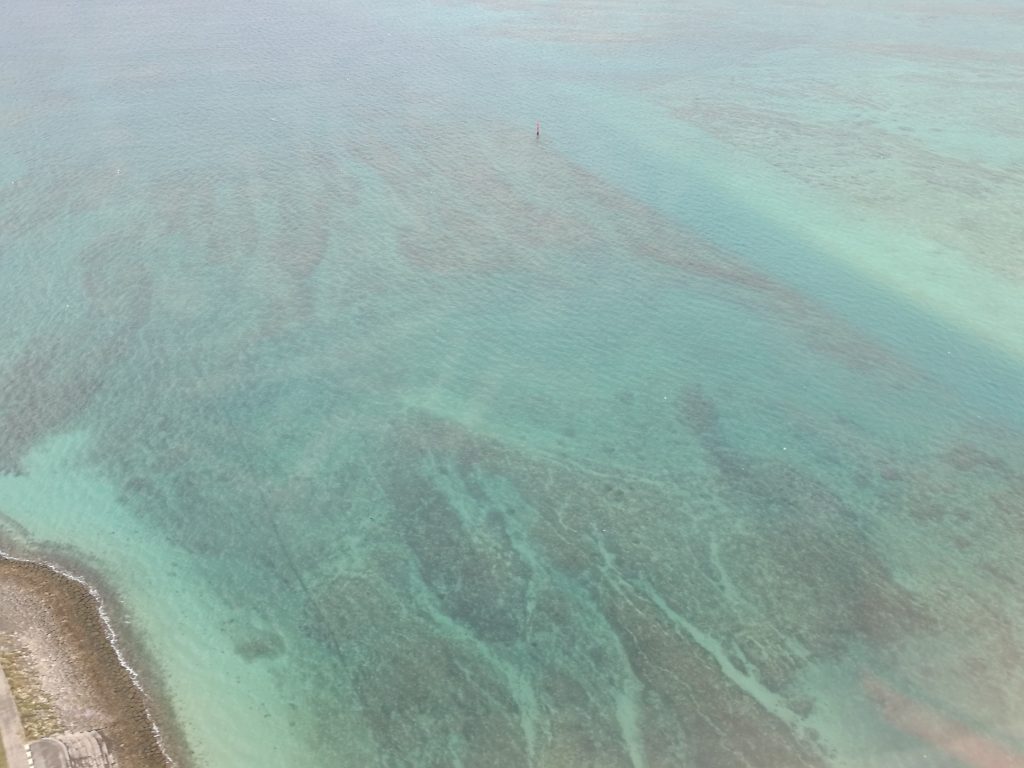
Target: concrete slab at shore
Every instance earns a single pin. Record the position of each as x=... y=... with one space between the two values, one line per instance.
x=10 y=727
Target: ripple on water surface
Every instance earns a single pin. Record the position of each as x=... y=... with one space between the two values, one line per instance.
x=408 y=438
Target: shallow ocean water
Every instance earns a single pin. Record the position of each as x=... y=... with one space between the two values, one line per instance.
x=688 y=434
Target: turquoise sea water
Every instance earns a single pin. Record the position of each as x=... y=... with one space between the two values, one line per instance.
x=690 y=434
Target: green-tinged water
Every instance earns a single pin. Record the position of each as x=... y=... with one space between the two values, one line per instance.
x=688 y=434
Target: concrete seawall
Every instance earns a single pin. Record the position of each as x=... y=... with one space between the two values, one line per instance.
x=10 y=727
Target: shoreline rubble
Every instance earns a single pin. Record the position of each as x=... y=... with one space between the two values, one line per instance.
x=58 y=622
